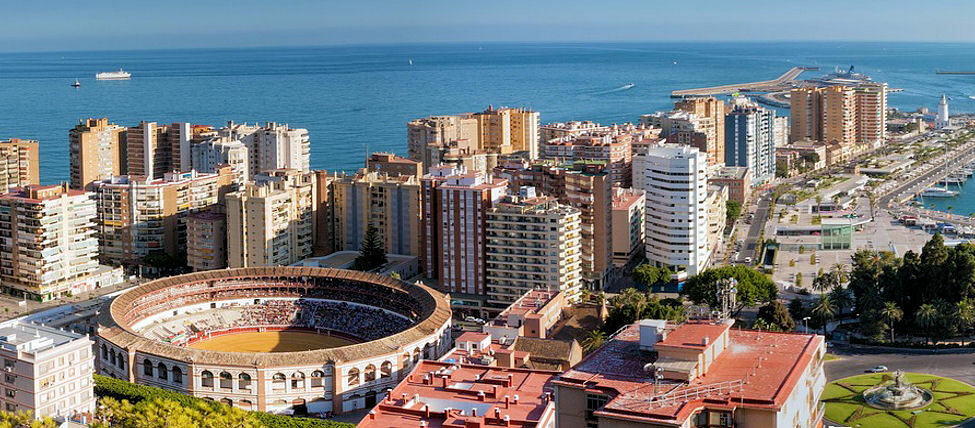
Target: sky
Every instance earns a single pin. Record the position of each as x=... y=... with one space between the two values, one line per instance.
x=63 y=25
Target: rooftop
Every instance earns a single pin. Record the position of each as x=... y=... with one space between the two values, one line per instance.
x=18 y=335
x=730 y=173
x=452 y=395
x=755 y=370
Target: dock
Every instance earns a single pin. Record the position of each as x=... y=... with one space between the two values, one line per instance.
x=775 y=85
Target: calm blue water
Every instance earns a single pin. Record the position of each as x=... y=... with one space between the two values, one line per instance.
x=354 y=98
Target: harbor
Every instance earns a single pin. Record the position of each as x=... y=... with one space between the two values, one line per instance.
x=784 y=82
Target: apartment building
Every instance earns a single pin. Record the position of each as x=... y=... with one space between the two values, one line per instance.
x=271 y=146
x=712 y=111
x=750 y=140
x=47 y=371
x=390 y=164
x=19 y=165
x=844 y=115
x=97 y=152
x=272 y=221
x=572 y=128
x=717 y=204
x=737 y=179
x=206 y=240
x=47 y=242
x=496 y=131
x=589 y=188
x=615 y=150
x=629 y=225
x=390 y=203
x=212 y=153
x=687 y=129
x=138 y=216
x=154 y=150
x=871 y=110
x=676 y=195
x=508 y=130
x=458 y=202
x=533 y=243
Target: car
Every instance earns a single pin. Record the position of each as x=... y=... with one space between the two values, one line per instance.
x=877 y=369
x=748 y=260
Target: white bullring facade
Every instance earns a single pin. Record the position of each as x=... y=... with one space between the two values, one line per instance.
x=393 y=324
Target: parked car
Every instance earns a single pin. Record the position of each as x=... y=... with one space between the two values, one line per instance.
x=878 y=369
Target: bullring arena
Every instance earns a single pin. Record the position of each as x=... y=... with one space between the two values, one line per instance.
x=276 y=339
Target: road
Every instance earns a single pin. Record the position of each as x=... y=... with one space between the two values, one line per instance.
x=788 y=76
x=853 y=360
x=754 y=231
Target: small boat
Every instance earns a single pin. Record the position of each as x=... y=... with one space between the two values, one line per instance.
x=938 y=192
x=76 y=84
x=627 y=86
x=113 y=75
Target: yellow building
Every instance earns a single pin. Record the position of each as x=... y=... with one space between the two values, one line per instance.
x=96 y=152
x=387 y=202
x=712 y=110
x=18 y=163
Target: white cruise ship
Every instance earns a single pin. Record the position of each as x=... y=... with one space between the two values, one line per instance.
x=938 y=192
x=113 y=75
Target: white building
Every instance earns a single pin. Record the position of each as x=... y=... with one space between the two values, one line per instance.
x=46 y=371
x=209 y=154
x=677 y=215
x=532 y=243
x=943 y=120
x=272 y=146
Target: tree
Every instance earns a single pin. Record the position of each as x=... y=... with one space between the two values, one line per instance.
x=798 y=279
x=753 y=286
x=733 y=211
x=797 y=309
x=842 y=298
x=825 y=310
x=892 y=314
x=873 y=202
x=372 y=252
x=776 y=314
x=964 y=314
x=650 y=275
x=24 y=420
x=163 y=413
x=593 y=340
x=925 y=318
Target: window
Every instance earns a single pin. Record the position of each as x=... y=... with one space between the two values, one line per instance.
x=278 y=381
x=226 y=380
x=9 y=378
x=11 y=393
x=353 y=377
x=317 y=378
x=162 y=372
x=370 y=373
x=594 y=402
x=8 y=363
x=11 y=407
x=147 y=367
x=244 y=381
x=298 y=380
x=177 y=375
x=207 y=378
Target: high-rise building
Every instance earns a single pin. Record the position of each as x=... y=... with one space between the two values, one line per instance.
x=206 y=240
x=19 y=163
x=942 y=120
x=533 y=242
x=686 y=129
x=615 y=150
x=49 y=247
x=390 y=164
x=713 y=110
x=805 y=114
x=427 y=136
x=154 y=150
x=508 y=130
x=272 y=146
x=214 y=152
x=780 y=131
x=97 y=152
x=629 y=225
x=750 y=141
x=839 y=115
x=589 y=188
x=138 y=216
x=272 y=221
x=47 y=371
x=676 y=194
x=460 y=206
x=717 y=205
x=871 y=108
x=573 y=128
x=390 y=203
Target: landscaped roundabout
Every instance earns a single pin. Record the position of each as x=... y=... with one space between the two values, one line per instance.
x=911 y=400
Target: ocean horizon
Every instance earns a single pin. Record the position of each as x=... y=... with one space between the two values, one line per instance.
x=355 y=99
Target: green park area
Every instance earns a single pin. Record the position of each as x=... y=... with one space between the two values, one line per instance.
x=953 y=403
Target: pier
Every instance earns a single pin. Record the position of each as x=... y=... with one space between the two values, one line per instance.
x=778 y=84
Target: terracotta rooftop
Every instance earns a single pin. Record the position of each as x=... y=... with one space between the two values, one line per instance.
x=453 y=395
x=756 y=370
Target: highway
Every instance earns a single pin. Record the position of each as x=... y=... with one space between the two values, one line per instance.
x=786 y=77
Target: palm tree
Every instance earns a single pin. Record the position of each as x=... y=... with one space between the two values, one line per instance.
x=842 y=298
x=965 y=314
x=819 y=203
x=892 y=314
x=926 y=316
x=873 y=201
x=825 y=309
x=593 y=340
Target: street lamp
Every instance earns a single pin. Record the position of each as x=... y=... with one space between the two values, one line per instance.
x=805 y=324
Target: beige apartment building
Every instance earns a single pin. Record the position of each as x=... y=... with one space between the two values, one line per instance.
x=138 y=216
x=425 y=136
x=271 y=146
x=871 y=108
x=629 y=224
x=387 y=202
x=47 y=371
x=589 y=188
x=839 y=115
x=846 y=115
x=206 y=240
x=19 y=163
x=154 y=150
x=533 y=243
x=713 y=111
x=717 y=205
x=96 y=152
x=49 y=247
x=494 y=131
x=272 y=221
x=508 y=130
x=390 y=164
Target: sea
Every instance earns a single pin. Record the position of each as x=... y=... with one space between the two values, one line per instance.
x=358 y=99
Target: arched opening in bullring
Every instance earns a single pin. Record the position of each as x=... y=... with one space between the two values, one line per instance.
x=299 y=407
x=370 y=399
x=244 y=381
x=317 y=379
x=226 y=380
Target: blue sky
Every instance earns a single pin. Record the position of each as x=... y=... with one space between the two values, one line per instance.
x=136 y=24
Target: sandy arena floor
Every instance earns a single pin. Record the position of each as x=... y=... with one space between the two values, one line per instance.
x=271 y=341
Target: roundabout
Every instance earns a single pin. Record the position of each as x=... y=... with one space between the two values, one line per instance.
x=898 y=400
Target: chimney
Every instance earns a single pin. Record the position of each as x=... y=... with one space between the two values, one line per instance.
x=473 y=411
x=516 y=399
x=426 y=410
x=426 y=379
x=497 y=413
x=480 y=396
x=494 y=391
x=372 y=415
x=511 y=378
x=507 y=401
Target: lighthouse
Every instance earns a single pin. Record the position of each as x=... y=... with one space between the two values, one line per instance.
x=942 y=121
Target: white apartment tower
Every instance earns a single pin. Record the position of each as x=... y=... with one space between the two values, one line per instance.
x=209 y=154
x=533 y=243
x=47 y=371
x=272 y=146
x=47 y=241
x=677 y=215
x=750 y=140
